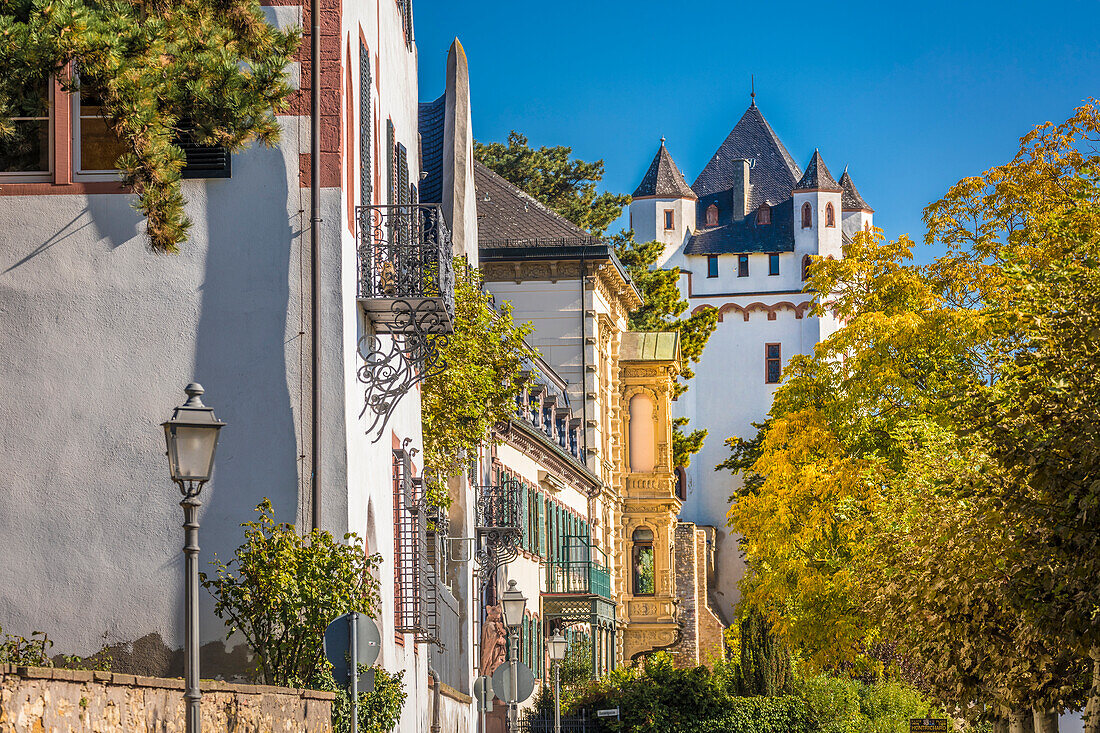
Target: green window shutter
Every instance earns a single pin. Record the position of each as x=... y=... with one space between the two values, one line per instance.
x=523 y=515
x=391 y=163
x=542 y=525
x=366 y=123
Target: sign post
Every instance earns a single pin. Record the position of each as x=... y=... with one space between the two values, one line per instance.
x=929 y=725
x=351 y=641
x=608 y=713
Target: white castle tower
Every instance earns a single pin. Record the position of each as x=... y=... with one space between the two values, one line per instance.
x=742 y=235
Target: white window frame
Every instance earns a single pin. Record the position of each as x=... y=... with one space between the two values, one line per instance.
x=38 y=176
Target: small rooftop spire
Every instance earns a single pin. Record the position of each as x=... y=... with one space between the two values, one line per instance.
x=662 y=139
x=752 y=93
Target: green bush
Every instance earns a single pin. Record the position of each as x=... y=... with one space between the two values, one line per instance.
x=761 y=715
x=844 y=705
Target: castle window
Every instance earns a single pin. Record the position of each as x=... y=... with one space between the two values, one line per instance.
x=642 y=557
x=866 y=226
x=773 y=264
x=742 y=265
x=830 y=216
x=807 y=215
x=806 y=261
x=712 y=265
x=712 y=215
x=669 y=220
x=764 y=215
x=773 y=366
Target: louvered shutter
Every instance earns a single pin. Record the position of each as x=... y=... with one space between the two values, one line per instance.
x=202 y=161
x=391 y=158
x=366 y=126
x=542 y=524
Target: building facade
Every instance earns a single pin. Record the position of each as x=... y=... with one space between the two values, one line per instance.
x=743 y=235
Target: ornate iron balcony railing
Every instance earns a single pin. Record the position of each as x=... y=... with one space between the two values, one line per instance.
x=499 y=531
x=406 y=271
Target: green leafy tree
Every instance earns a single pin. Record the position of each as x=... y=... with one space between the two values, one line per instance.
x=547 y=174
x=281 y=590
x=662 y=310
x=213 y=69
x=764 y=664
x=477 y=390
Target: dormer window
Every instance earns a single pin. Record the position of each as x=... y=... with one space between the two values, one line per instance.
x=712 y=215
x=830 y=216
x=763 y=215
x=807 y=216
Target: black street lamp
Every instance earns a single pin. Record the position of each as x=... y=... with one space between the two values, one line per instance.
x=558 y=648
x=513 y=604
x=192 y=436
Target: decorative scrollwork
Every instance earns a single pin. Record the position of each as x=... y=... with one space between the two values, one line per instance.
x=413 y=356
x=498 y=526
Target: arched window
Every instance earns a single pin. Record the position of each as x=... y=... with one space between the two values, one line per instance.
x=642 y=556
x=764 y=215
x=806 y=261
x=642 y=434
x=681 y=483
x=712 y=215
x=830 y=216
x=807 y=215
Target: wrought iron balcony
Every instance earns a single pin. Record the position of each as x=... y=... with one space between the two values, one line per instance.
x=499 y=530
x=406 y=271
x=582 y=570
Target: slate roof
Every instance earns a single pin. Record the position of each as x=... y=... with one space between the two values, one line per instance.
x=664 y=179
x=773 y=171
x=508 y=217
x=649 y=346
x=817 y=176
x=430 y=119
x=745 y=236
x=850 y=200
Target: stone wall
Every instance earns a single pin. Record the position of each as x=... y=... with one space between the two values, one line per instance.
x=700 y=627
x=46 y=699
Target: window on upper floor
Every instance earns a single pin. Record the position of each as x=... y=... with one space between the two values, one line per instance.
x=681 y=484
x=670 y=219
x=642 y=562
x=866 y=226
x=712 y=265
x=773 y=364
x=807 y=215
x=764 y=215
x=26 y=152
x=830 y=216
x=712 y=215
x=742 y=265
x=806 y=262
x=773 y=264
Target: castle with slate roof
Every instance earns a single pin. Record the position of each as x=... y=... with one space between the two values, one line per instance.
x=743 y=235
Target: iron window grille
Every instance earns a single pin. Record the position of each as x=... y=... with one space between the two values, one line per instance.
x=498 y=524
x=415 y=578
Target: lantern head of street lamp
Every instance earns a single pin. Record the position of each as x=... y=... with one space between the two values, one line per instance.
x=558 y=646
x=513 y=604
x=192 y=437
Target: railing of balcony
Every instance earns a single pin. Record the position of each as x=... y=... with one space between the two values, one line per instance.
x=406 y=270
x=582 y=569
x=499 y=532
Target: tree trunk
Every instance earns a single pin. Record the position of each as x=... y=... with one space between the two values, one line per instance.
x=1021 y=721
x=1092 y=709
x=1046 y=721
x=1000 y=725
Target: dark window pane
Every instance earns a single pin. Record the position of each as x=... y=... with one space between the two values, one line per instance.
x=27 y=149
x=100 y=147
x=712 y=266
x=742 y=265
x=773 y=351
x=773 y=264
x=773 y=371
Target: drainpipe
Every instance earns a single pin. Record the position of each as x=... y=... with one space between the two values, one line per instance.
x=584 y=373
x=436 y=725
x=315 y=251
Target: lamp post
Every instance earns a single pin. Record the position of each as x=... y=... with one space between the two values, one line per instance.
x=558 y=648
x=513 y=604
x=191 y=436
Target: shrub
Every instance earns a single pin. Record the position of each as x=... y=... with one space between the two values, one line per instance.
x=787 y=714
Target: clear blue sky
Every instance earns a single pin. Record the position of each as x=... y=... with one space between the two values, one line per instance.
x=911 y=96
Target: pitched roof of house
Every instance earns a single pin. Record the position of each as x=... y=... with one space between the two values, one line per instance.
x=649 y=346
x=746 y=235
x=664 y=179
x=430 y=123
x=850 y=200
x=508 y=217
x=773 y=171
x=817 y=176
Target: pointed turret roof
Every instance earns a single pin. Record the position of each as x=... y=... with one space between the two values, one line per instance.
x=817 y=176
x=663 y=179
x=850 y=200
x=773 y=172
